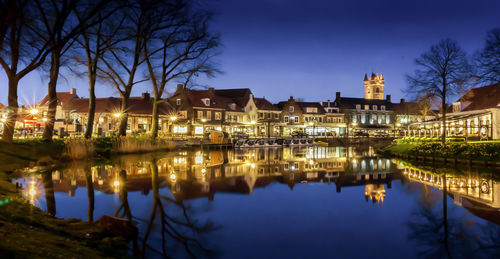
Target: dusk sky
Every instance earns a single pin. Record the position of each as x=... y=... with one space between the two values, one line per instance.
x=311 y=49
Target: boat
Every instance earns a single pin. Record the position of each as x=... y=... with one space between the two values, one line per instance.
x=239 y=143
x=250 y=143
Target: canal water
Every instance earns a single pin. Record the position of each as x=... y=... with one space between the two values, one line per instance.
x=311 y=202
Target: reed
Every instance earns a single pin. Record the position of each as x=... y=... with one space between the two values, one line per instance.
x=124 y=145
x=79 y=148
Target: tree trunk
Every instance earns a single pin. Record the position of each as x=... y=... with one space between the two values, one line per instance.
x=124 y=116
x=90 y=121
x=48 y=186
x=443 y=107
x=90 y=195
x=9 y=125
x=155 y=115
x=52 y=94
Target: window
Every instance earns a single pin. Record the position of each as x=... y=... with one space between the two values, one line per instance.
x=286 y=166
x=178 y=101
x=206 y=101
x=183 y=114
x=367 y=107
x=261 y=115
x=291 y=109
x=377 y=90
x=374 y=107
x=276 y=115
x=218 y=115
x=209 y=115
x=296 y=119
x=285 y=119
x=358 y=106
x=200 y=114
x=233 y=106
x=311 y=109
x=382 y=107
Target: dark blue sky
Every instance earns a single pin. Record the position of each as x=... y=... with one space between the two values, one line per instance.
x=311 y=49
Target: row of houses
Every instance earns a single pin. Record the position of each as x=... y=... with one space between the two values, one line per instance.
x=190 y=112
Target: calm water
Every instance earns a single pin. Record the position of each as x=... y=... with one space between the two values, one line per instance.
x=311 y=202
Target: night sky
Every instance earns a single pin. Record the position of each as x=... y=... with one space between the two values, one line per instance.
x=311 y=49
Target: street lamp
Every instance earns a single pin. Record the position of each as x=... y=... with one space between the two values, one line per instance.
x=117 y=115
x=34 y=111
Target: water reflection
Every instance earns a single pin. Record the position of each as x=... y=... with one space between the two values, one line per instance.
x=180 y=198
x=439 y=229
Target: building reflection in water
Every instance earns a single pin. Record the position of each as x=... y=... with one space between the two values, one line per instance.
x=439 y=230
x=194 y=174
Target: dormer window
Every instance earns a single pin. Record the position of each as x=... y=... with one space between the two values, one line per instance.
x=178 y=101
x=457 y=107
x=232 y=106
x=358 y=107
x=206 y=101
x=292 y=109
x=367 y=107
x=374 y=107
x=382 y=107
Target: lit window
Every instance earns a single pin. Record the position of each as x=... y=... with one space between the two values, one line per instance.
x=296 y=119
x=209 y=115
x=358 y=106
x=285 y=118
x=218 y=115
x=382 y=107
x=178 y=101
x=200 y=114
x=374 y=107
x=367 y=107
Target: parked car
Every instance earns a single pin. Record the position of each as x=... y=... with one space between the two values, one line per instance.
x=361 y=134
x=240 y=135
x=299 y=134
x=381 y=134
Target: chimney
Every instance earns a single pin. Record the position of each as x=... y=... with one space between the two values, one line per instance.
x=328 y=103
x=291 y=98
x=211 y=89
x=146 y=96
x=179 y=87
x=402 y=100
x=337 y=95
x=388 y=97
x=72 y=91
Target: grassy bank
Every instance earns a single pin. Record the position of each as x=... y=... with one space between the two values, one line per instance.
x=485 y=150
x=28 y=232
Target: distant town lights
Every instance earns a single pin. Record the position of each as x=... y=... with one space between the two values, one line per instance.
x=173 y=118
x=117 y=115
x=116 y=183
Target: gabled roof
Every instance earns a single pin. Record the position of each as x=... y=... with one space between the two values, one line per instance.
x=305 y=105
x=62 y=97
x=137 y=105
x=2 y=106
x=196 y=96
x=263 y=104
x=233 y=93
x=481 y=98
x=406 y=108
x=350 y=102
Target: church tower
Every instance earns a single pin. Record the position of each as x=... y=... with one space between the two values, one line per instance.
x=374 y=86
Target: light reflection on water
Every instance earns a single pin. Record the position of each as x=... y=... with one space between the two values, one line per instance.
x=290 y=202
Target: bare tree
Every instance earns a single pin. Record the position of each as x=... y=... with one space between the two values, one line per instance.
x=441 y=72
x=94 y=42
x=177 y=44
x=122 y=61
x=60 y=27
x=488 y=59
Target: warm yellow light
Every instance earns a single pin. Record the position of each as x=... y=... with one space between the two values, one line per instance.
x=33 y=111
x=398 y=124
x=173 y=118
x=117 y=115
x=44 y=119
x=252 y=165
x=310 y=123
x=203 y=120
x=354 y=124
x=116 y=183
x=252 y=122
x=173 y=177
x=3 y=120
x=203 y=170
x=32 y=191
